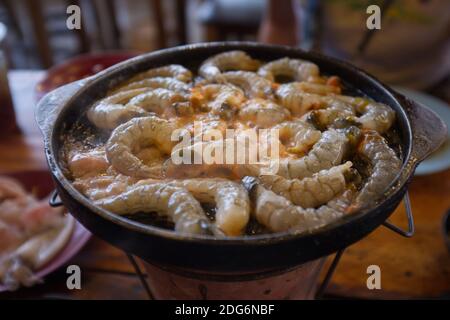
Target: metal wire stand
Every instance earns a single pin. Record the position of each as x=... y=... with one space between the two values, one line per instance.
x=329 y=274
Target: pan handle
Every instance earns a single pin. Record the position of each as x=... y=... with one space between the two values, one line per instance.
x=52 y=103
x=54 y=200
x=429 y=131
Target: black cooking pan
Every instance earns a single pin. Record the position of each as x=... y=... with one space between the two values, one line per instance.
x=421 y=132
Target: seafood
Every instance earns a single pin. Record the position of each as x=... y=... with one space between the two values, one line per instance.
x=31 y=233
x=376 y=116
x=299 y=135
x=373 y=115
x=111 y=111
x=222 y=100
x=90 y=163
x=230 y=198
x=103 y=186
x=263 y=113
x=298 y=102
x=310 y=192
x=337 y=114
x=10 y=188
x=163 y=102
x=174 y=71
x=154 y=83
x=278 y=214
x=299 y=70
x=212 y=68
x=313 y=153
x=384 y=163
x=134 y=134
x=326 y=153
x=175 y=202
x=253 y=85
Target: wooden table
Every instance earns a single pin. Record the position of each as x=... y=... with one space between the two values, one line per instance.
x=418 y=267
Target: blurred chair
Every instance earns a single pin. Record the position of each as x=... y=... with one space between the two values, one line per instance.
x=179 y=8
x=224 y=18
x=43 y=30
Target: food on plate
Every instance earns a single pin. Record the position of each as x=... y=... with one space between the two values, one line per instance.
x=241 y=147
x=31 y=234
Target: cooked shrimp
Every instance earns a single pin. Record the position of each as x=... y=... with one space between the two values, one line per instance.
x=326 y=153
x=374 y=115
x=263 y=113
x=313 y=191
x=231 y=200
x=337 y=114
x=163 y=102
x=199 y=160
x=231 y=60
x=385 y=165
x=222 y=100
x=299 y=70
x=86 y=164
x=253 y=85
x=132 y=135
x=154 y=83
x=10 y=188
x=175 y=202
x=298 y=135
x=111 y=111
x=103 y=186
x=298 y=102
x=175 y=71
x=279 y=214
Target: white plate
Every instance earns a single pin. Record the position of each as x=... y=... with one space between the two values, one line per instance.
x=440 y=159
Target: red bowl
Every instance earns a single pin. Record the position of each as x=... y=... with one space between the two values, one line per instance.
x=41 y=184
x=78 y=68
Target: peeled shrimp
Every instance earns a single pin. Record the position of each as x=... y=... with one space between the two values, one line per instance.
x=175 y=71
x=163 y=102
x=231 y=200
x=154 y=83
x=103 y=186
x=298 y=102
x=310 y=192
x=138 y=132
x=300 y=134
x=279 y=214
x=299 y=70
x=231 y=60
x=222 y=100
x=175 y=202
x=111 y=111
x=326 y=153
x=86 y=164
x=374 y=115
x=10 y=188
x=253 y=85
x=335 y=115
x=385 y=166
x=263 y=113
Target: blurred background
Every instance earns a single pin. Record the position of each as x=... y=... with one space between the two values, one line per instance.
x=37 y=36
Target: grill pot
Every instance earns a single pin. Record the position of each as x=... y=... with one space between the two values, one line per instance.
x=421 y=132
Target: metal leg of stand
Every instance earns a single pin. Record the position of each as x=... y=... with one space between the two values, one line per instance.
x=141 y=276
x=329 y=274
x=404 y=233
